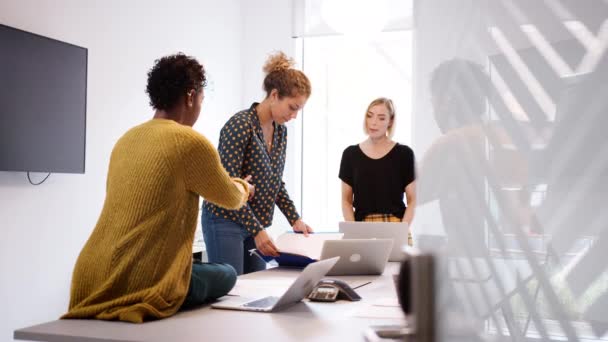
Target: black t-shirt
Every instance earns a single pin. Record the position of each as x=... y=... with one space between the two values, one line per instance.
x=378 y=184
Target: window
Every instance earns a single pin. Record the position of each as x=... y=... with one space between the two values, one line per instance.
x=346 y=75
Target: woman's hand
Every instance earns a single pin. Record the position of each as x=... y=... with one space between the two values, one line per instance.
x=300 y=227
x=265 y=245
x=251 y=187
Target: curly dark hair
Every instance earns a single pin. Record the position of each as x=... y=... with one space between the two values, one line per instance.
x=171 y=77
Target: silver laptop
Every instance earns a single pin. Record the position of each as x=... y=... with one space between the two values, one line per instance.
x=379 y=230
x=357 y=256
x=298 y=290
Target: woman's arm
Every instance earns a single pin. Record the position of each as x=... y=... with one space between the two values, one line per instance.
x=288 y=209
x=286 y=205
x=410 y=194
x=346 y=176
x=347 y=202
x=206 y=176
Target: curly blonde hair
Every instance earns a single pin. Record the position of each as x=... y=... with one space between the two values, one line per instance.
x=281 y=75
x=391 y=112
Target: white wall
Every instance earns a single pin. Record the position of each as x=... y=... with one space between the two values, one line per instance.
x=44 y=227
x=267 y=27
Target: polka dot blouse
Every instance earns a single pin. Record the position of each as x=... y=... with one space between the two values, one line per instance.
x=243 y=152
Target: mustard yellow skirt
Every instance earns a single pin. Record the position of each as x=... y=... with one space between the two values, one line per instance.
x=388 y=218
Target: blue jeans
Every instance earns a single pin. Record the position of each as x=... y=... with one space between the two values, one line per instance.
x=228 y=242
x=208 y=282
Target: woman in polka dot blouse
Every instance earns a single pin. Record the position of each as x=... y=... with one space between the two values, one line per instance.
x=252 y=145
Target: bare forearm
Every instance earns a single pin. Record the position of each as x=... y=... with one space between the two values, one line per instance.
x=409 y=212
x=410 y=194
x=347 y=211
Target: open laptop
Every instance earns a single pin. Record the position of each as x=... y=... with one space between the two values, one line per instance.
x=357 y=256
x=379 y=230
x=298 y=290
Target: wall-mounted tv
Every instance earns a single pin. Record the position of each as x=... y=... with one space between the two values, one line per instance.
x=43 y=90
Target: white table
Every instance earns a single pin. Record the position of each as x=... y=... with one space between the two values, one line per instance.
x=305 y=321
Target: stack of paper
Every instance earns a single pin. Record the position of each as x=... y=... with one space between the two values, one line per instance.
x=309 y=246
x=298 y=250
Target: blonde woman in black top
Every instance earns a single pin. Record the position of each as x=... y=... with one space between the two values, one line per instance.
x=377 y=172
x=252 y=146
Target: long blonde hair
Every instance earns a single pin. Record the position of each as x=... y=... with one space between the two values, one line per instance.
x=391 y=112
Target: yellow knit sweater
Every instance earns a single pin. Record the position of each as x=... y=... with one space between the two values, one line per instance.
x=138 y=260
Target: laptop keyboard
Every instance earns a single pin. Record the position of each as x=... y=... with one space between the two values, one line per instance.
x=262 y=303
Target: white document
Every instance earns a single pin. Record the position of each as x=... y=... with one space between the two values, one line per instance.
x=309 y=246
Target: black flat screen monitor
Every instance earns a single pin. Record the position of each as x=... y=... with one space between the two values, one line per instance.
x=43 y=88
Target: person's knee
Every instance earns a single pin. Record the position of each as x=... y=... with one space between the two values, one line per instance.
x=229 y=276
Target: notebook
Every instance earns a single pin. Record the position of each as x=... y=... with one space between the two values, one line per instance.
x=379 y=230
x=358 y=256
x=297 y=250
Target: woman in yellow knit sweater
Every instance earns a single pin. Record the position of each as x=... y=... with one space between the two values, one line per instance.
x=137 y=263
